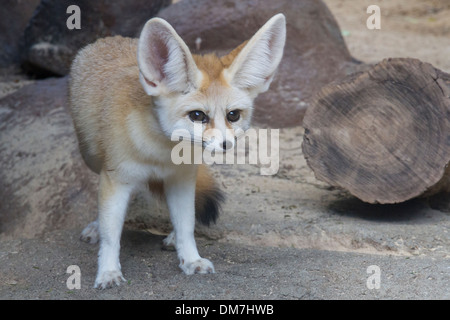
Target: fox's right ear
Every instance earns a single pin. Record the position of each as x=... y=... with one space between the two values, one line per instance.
x=255 y=65
x=165 y=63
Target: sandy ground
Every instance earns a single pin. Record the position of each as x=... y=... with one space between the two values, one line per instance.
x=286 y=236
x=409 y=28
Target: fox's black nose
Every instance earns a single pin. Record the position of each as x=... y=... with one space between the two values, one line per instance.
x=226 y=145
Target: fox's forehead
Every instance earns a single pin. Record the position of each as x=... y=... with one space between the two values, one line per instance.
x=216 y=99
x=215 y=92
x=212 y=67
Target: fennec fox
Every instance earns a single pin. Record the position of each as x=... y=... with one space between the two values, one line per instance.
x=127 y=96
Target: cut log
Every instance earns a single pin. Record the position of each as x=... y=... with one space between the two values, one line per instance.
x=384 y=134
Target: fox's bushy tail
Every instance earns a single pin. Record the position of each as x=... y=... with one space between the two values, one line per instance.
x=208 y=197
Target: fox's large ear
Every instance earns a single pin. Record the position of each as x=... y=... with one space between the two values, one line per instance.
x=165 y=63
x=255 y=65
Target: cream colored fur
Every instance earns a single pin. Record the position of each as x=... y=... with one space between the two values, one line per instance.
x=127 y=96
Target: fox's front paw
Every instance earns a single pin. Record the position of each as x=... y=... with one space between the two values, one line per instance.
x=200 y=266
x=108 y=279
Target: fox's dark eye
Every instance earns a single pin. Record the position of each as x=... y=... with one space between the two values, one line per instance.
x=197 y=115
x=234 y=115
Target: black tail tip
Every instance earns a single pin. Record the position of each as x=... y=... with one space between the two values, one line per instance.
x=209 y=205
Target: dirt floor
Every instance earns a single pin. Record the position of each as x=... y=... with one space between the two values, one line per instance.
x=286 y=236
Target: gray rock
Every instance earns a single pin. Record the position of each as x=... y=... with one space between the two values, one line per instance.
x=49 y=45
x=14 y=16
x=45 y=184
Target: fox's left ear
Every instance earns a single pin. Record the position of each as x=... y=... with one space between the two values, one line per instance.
x=165 y=63
x=255 y=65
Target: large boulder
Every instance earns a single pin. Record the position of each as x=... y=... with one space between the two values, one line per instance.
x=49 y=45
x=14 y=17
x=45 y=184
x=315 y=51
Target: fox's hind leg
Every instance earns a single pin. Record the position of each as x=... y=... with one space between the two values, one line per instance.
x=90 y=233
x=169 y=241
